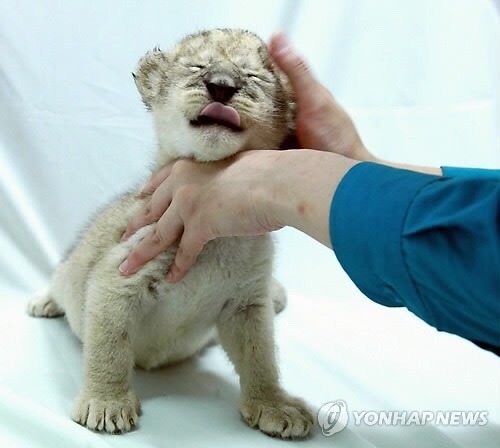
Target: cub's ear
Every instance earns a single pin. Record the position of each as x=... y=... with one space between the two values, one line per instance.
x=150 y=76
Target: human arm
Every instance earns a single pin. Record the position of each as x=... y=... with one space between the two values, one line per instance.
x=428 y=243
x=321 y=124
x=252 y=193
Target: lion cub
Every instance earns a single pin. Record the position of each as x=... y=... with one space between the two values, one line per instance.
x=215 y=94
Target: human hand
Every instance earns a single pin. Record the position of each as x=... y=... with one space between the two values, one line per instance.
x=321 y=123
x=251 y=193
x=197 y=202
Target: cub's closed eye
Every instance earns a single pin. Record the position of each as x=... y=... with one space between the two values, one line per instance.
x=257 y=77
x=197 y=68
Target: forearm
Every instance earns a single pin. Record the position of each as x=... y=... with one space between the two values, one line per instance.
x=366 y=156
x=298 y=188
x=420 y=169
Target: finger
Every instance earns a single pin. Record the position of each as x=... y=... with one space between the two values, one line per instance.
x=168 y=229
x=156 y=180
x=159 y=203
x=286 y=57
x=190 y=246
x=135 y=224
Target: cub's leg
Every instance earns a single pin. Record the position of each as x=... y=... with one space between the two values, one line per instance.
x=44 y=306
x=246 y=334
x=107 y=402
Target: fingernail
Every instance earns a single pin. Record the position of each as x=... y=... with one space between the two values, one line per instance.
x=124 y=267
x=124 y=237
x=282 y=44
x=170 y=277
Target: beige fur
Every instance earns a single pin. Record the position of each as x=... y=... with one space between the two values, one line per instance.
x=143 y=320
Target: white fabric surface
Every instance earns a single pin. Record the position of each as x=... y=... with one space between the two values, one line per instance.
x=421 y=81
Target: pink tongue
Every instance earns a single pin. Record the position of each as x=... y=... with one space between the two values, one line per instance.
x=219 y=112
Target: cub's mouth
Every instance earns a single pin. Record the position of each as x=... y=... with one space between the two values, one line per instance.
x=220 y=115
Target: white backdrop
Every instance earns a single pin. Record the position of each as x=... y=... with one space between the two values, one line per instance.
x=421 y=79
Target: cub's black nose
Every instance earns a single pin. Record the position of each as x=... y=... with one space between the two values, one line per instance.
x=221 y=91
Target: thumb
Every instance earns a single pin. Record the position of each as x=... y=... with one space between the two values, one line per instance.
x=288 y=60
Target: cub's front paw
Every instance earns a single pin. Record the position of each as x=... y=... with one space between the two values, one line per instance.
x=113 y=415
x=285 y=417
x=44 y=306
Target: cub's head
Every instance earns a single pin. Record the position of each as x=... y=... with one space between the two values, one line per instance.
x=215 y=94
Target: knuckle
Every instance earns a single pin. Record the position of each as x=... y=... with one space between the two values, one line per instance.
x=185 y=194
x=180 y=167
x=300 y=65
x=158 y=178
x=152 y=216
x=157 y=238
x=158 y=208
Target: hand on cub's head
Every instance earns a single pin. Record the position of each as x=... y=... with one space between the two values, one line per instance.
x=321 y=123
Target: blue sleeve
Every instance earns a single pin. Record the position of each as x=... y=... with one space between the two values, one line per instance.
x=478 y=173
x=428 y=243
